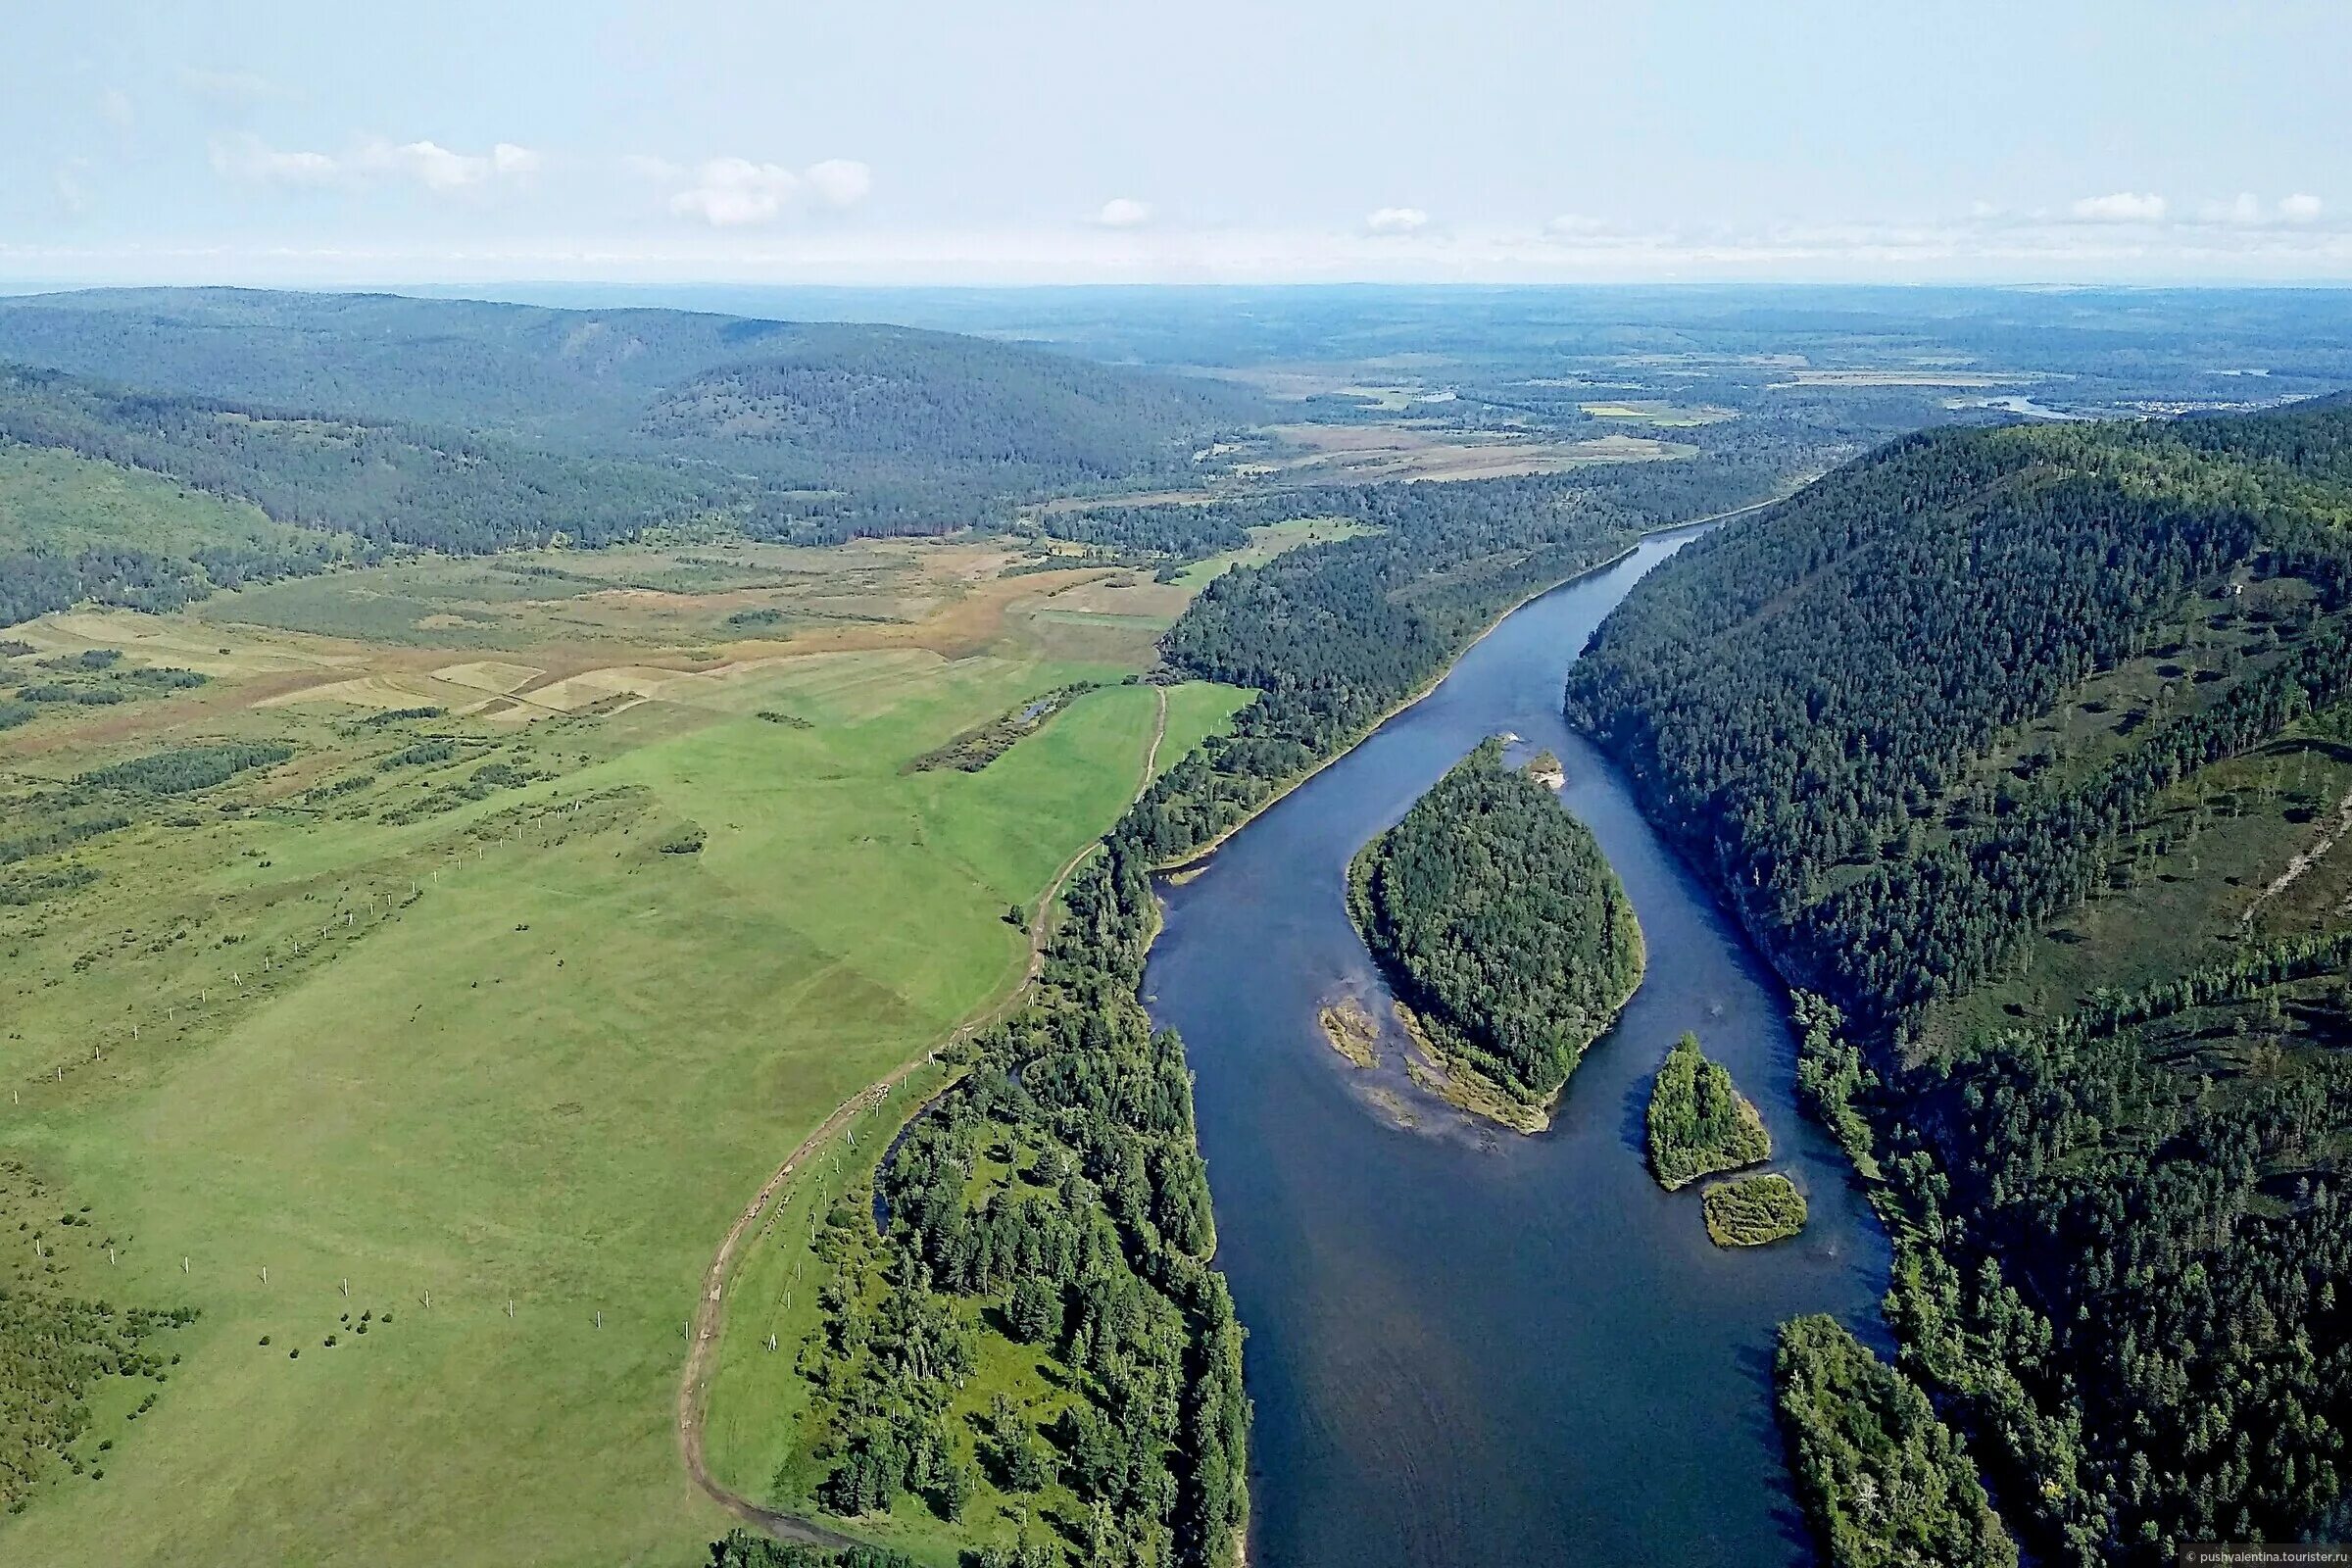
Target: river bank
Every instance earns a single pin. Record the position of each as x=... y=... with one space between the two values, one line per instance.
x=1470 y=1348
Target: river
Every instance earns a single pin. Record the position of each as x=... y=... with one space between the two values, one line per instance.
x=1467 y=1347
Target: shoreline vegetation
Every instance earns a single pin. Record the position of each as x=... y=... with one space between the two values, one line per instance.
x=1882 y=1480
x=1055 y=1070
x=2002 y=731
x=1753 y=1210
x=1698 y=1122
x=1192 y=861
x=1506 y=935
x=1500 y=551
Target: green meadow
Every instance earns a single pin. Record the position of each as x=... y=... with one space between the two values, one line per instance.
x=61 y=503
x=470 y=1079
x=1268 y=540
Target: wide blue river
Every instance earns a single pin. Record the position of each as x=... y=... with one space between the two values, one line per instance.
x=1466 y=1347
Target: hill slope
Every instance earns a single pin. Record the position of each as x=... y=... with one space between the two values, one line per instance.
x=386 y=482
x=804 y=403
x=355 y=423
x=2029 y=749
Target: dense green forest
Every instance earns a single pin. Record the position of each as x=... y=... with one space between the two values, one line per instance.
x=562 y=374
x=740 y=1549
x=1836 y=672
x=1097 y=1251
x=1698 y=1122
x=1115 y=1249
x=467 y=424
x=1923 y=723
x=390 y=484
x=1885 y=1482
x=1500 y=925
x=1335 y=636
x=356 y=424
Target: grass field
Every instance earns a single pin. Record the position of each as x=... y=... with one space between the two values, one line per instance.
x=1408 y=451
x=372 y=1025
x=1268 y=540
x=66 y=504
x=1667 y=415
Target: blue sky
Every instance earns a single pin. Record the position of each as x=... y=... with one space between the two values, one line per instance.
x=897 y=141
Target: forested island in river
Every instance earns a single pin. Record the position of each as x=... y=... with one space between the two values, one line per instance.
x=1699 y=1123
x=841 y=688
x=1508 y=939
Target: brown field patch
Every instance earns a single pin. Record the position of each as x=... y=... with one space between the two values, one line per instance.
x=1920 y=377
x=1373 y=452
x=489 y=675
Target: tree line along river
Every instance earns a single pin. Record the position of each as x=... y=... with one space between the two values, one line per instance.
x=1467 y=1347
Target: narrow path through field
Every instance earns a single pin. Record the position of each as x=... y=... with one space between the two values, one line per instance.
x=709 y=1312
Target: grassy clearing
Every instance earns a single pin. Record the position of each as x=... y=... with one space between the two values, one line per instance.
x=681 y=595
x=65 y=504
x=1266 y=541
x=2183 y=887
x=1666 y=416
x=498 y=1050
x=1198 y=709
x=1368 y=452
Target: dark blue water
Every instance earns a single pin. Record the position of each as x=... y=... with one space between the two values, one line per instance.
x=1465 y=1347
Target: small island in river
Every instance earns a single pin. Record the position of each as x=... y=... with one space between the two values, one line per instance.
x=1699 y=1124
x=1352 y=1031
x=1751 y=1211
x=1507 y=938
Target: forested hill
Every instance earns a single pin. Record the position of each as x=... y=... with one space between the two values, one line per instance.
x=386 y=482
x=2030 y=751
x=1808 y=700
x=894 y=416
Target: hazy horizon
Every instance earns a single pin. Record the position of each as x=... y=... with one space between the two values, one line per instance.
x=1516 y=143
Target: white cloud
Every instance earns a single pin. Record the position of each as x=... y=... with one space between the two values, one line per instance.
x=116 y=109
x=840 y=182
x=738 y=193
x=2299 y=207
x=1124 y=211
x=730 y=192
x=246 y=157
x=1396 y=221
x=440 y=169
x=427 y=163
x=2122 y=207
x=1571 y=223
